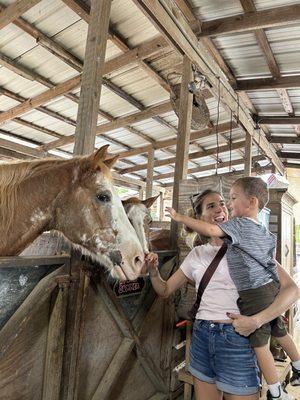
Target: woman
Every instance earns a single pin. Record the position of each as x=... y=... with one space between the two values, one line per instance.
x=221 y=360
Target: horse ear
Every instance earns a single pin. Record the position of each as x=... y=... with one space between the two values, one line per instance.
x=99 y=155
x=111 y=161
x=148 y=202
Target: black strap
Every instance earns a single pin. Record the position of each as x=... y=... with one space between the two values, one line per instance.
x=206 y=278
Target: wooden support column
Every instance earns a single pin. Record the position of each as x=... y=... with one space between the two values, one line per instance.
x=161 y=206
x=149 y=181
x=92 y=77
x=55 y=343
x=183 y=139
x=248 y=155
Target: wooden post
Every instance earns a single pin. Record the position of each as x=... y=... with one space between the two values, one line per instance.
x=183 y=139
x=55 y=343
x=149 y=181
x=248 y=155
x=161 y=206
x=92 y=77
x=141 y=193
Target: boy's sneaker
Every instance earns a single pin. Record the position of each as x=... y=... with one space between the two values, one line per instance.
x=295 y=378
x=283 y=395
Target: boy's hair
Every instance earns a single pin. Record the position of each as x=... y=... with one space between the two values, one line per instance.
x=256 y=187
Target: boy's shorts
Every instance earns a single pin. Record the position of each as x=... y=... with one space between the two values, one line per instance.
x=253 y=301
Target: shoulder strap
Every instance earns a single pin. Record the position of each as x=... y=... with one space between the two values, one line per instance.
x=206 y=278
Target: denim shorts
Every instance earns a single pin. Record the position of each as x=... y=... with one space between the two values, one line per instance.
x=221 y=356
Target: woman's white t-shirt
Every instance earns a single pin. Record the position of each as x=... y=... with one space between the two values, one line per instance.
x=220 y=295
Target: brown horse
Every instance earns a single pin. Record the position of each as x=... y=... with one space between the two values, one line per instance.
x=139 y=215
x=75 y=197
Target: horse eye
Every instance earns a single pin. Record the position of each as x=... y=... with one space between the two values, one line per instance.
x=104 y=197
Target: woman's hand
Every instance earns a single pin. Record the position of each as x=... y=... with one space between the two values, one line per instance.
x=151 y=264
x=242 y=324
x=173 y=214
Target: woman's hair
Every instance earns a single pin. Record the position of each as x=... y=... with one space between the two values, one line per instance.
x=196 y=211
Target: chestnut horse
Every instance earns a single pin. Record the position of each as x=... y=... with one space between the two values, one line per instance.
x=75 y=197
x=139 y=215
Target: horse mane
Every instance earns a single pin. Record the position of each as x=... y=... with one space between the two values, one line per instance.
x=15 y=173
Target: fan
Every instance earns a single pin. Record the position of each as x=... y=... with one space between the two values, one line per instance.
x=200 y=111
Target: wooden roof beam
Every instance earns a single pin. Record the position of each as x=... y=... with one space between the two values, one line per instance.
x=287 y=82
x=289 y=154
x=275 y=120
x=284 y=139
x=14 y=11
x=250 y=21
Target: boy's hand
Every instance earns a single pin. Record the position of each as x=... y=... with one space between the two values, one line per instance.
x=173 y=214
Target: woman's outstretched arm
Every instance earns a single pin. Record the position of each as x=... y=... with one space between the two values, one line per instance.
x=163 y=288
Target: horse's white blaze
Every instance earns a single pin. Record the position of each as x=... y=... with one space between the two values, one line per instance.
x=127 y=241
x=136 y=215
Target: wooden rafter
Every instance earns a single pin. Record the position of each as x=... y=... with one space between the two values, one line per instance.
x=287 y=82
x=289 y=154
x=275 y=120
x=14 y=11
x=284 y=139
x=250 y=21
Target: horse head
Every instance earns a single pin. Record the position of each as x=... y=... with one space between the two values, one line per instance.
x=139 y=215
x=90 y=214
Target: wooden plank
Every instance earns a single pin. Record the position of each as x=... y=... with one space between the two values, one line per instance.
x=91 y=81
x=275 y=120
x=253 y=20
x=16 y=9
x=22 y=149
x=114 y=370
x=183 y=140
x=55 y=344
x=289 y=154
x=248 y=155
x=287 y=82
x=191 y=156
x=32 y=261
x=149 y=180
x=284 y=139
x=15 y=325
x=187 y=43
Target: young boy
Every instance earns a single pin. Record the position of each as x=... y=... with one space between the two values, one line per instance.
x=250 y=256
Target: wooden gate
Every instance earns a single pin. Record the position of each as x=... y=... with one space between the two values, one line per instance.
x=67 y=335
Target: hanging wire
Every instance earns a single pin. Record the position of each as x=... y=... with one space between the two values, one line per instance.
x=217 y=125
x=230 y=140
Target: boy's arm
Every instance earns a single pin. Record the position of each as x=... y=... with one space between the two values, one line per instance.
x=202 y=227
x=289 y=293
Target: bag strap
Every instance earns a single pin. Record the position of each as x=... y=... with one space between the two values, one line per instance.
x=206 y=278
